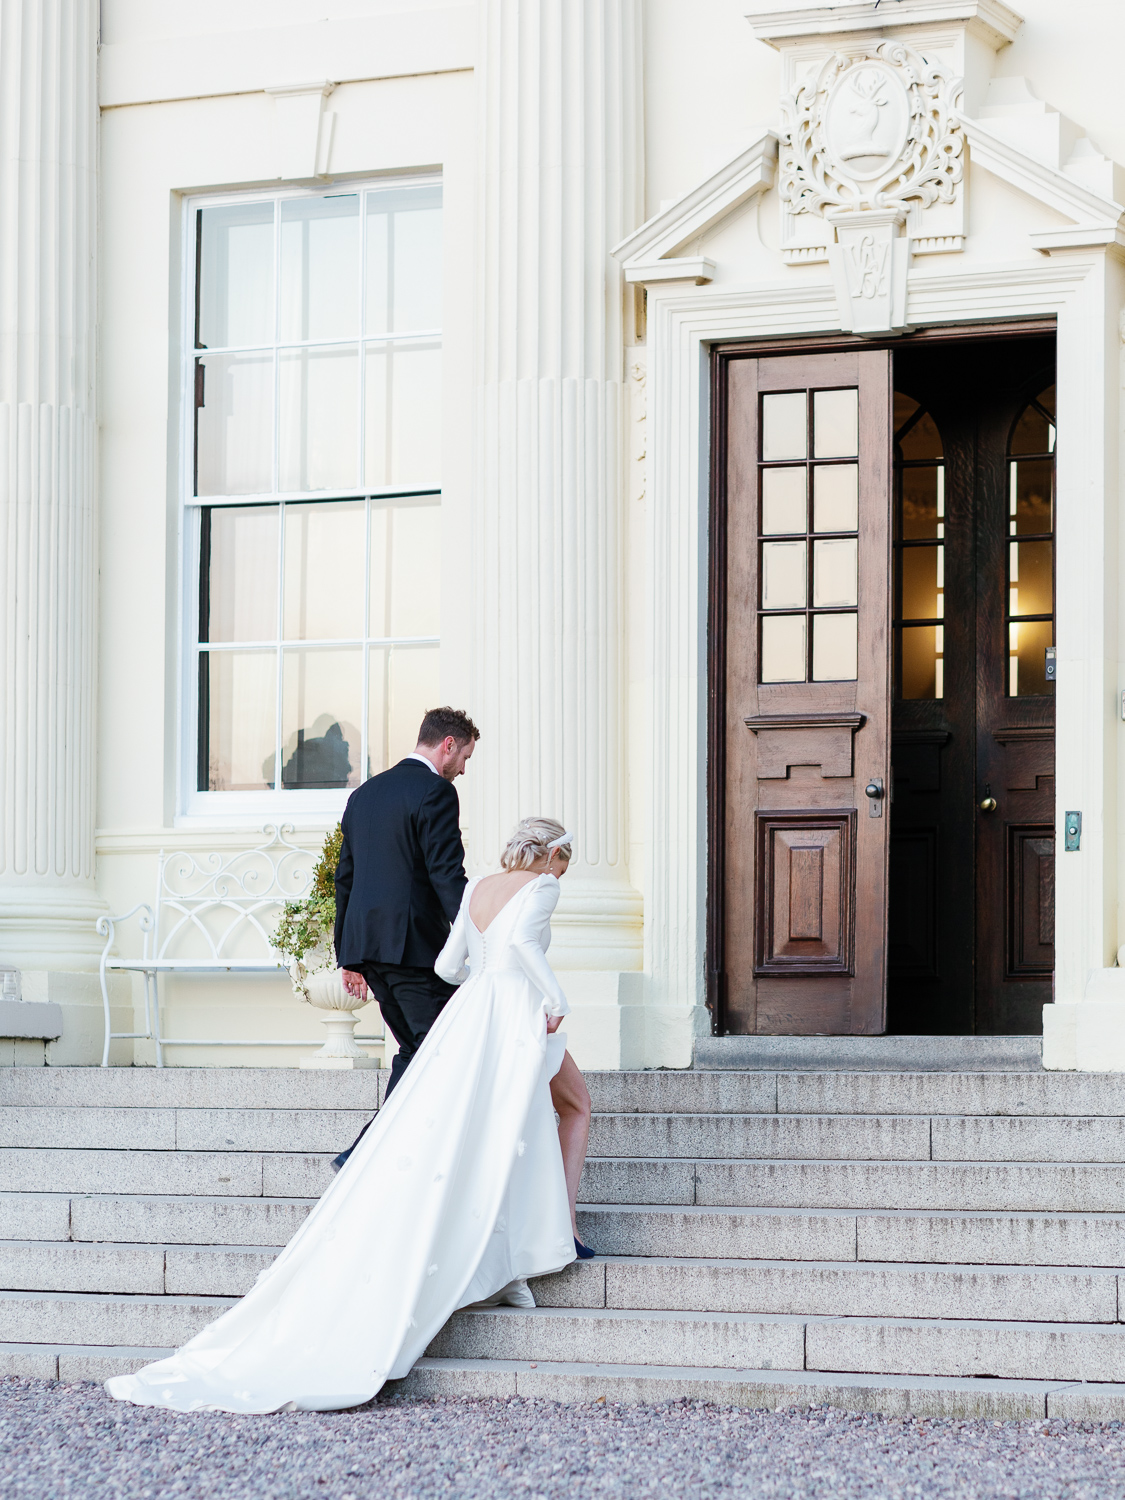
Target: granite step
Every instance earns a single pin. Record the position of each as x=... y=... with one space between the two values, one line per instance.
x=146 y=1129
x=895 y=1395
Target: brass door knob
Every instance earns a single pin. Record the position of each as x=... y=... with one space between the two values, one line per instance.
x=988 y=805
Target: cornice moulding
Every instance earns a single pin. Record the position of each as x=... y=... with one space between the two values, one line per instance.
x=651 y=247
x=991 y=20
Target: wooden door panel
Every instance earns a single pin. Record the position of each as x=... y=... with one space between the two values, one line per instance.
x=805 y=897
x=1031 y=901
x=799 y=951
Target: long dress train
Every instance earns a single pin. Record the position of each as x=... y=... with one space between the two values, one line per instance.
x=455 y=1190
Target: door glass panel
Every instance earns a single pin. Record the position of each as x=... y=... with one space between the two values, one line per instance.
x=836 y=497
x=1027 y=661
x=321 y=711
x=784 y=426
x=1032 y=500
x=835 y=648
x=835 y=573
x=922 y=666
x=919 y=439
x=783 y=575
x=923 y=503
x=1030 y=578
x=923 y=583
x=240 y=574
x=1034 y=432
x=784 y=504
x=835 y=424
x=783 y=648
x=234 y=431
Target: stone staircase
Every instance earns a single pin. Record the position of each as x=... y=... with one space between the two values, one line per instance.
x=936 y=1242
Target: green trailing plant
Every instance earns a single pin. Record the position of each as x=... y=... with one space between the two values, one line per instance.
x=306 y=927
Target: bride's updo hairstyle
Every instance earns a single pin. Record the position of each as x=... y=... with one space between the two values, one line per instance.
x=530 y=841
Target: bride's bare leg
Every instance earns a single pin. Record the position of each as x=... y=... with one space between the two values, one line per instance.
x=571 y=1099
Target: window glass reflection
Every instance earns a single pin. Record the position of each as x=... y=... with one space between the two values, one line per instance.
x=403 y=405
x=922 y=666
x=404 y=260
x=835 y=572
x=405 y=542
x=923 y=583
x=234 y=445
x=784 y=581
x=319 y=419
x=239 y=599
x=1027 y=658
x=923 y=503
x=836 y=497
x=320 y=267
x=321 y=711
x=835 y=654
x=1032 y=496
x=235 y=275
x=404 y=683
x=324 y=573
x=238 y=690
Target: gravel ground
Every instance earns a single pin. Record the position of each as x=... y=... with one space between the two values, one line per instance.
x=72 y=1440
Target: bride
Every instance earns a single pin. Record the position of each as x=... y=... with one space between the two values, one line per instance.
x=455 y=1195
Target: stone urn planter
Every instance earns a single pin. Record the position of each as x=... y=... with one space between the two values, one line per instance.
x=317 y=980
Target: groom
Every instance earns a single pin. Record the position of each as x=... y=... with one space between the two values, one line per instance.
x=400 y=881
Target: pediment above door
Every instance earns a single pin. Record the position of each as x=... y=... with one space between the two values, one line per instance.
x=883 y=113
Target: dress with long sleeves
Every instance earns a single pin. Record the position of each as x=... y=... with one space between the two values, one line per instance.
x=455 y=1190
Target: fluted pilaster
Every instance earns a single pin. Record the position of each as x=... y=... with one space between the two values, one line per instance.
x=561 y=154
x=48 y=542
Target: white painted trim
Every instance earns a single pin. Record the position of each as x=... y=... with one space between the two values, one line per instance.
x=990 y=19
x=1084 y=293
x=1055 y=189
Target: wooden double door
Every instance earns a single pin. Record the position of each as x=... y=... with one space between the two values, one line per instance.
x=882 y=710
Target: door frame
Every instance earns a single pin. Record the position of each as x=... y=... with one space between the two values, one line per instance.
x=689 y=329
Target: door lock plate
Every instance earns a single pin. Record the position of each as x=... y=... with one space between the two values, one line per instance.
x=874 y=790
x=1072 y=831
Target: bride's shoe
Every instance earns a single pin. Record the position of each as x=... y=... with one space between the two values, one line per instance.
x=516 y=1294
x=582 y=1251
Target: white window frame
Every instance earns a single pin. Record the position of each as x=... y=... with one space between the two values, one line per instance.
x=196 y=808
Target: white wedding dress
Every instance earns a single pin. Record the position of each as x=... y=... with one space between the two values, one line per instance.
x=455 y=1190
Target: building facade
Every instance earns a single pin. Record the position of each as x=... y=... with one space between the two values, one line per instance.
x=675 y=387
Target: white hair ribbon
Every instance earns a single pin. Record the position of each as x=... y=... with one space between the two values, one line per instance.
x=566 y=838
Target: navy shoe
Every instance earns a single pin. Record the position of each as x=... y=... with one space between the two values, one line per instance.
x=583 y=1251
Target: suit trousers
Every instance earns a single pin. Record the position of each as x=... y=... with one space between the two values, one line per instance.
x=411 y=999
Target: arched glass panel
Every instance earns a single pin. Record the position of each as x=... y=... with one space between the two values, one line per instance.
x=919 y=541
x=1030 y=611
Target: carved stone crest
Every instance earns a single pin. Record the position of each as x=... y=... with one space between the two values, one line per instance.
x=873 y=130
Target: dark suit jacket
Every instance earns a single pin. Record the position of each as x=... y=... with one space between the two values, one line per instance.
x=401 y=874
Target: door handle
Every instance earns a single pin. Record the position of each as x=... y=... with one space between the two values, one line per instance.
x=874 y=790
x=988 y=804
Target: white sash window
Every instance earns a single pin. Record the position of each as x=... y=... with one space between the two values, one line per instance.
x=312 y=491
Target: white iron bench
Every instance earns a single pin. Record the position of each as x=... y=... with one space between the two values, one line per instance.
x=209 y=908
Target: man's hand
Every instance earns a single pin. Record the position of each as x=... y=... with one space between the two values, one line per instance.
x=354 y=983
x=553 y=1023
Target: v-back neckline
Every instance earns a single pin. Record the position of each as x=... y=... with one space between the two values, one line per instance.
x=480 y=931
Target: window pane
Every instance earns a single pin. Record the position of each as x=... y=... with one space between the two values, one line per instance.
x=923 y=583
x=320 y=267
x=835 y=648
x=923 y=502
x=319 y=419
x=836 y=498
x=234 y=426
x=241 y=584
x=1027 y=664
x=324 y=566
x=783 y=648
x=835 y=424
x=403 y=430
x=1030 y=576
x=404 y=685
x=321 y=711
x=1032 y=496
x=922 y=666
x=236 y=275
x=784 y=426
x=238 y=691
x=783 y=575
x=404 y=266
x=784 y=505
x=923 y=440
x=835 y=572
x=405 y=570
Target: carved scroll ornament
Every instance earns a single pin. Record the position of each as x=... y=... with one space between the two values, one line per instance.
x=874 y=130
